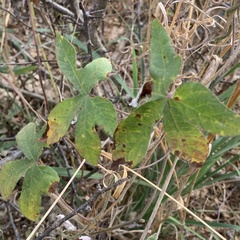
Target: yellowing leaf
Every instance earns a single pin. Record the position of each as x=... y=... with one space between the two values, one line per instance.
x=184 y=139
x=194 y=109
x=131 y=137
x=53 y=134
x=11 y=173
x=60 y=118
x=38 y=180
x=201 y=108
x=91 y=111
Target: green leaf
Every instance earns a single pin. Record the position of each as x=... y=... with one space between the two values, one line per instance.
x=83 y=79
x=19 y=70
x=4 y=69
x=38 y=180
x=195 y=108
x=93 y=111
x=96 y=70
x=10 y=174
x=152 y=237
x=96 y=55
x=165 y=65
x=184 y=140
x=201 y=108
x=131 y=137
x=123 y=85
x=87 y=142
x=27 y=141
x=66 y=58
x=60 y=118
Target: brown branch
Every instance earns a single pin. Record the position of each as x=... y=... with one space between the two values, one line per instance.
x=14 y=16
x=76 y=9
x=86 y=18
x=19 y=93
x=31 y=9
x=27 y=93
x=10 y=216
x=58 y=8
x=81 y=208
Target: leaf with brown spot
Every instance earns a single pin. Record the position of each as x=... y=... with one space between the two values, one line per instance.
x=38 y=181
x=61 y=117
x=201 y=108
x=131 y=137
x=53 y=186
x=184 y=139
x=192 y=109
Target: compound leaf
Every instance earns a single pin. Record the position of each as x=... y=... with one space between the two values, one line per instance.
x=165 y=65
x=131 y=137
x=11 y=173
x=60 y=118
x=93 y=111
x=27 y=141
x=38 y=180
x=83 y=79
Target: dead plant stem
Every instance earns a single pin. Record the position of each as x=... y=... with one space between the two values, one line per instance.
x=55 y=202
x=159 y=200
x=177 y=202
x=31 y=11
x=25 y=102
